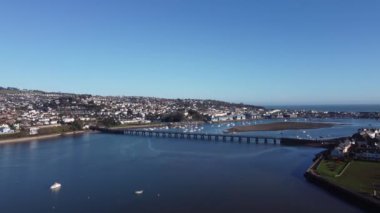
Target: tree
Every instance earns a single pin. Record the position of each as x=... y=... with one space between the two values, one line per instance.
x=195 y=115
x=108 y=122
x=76 y=125
x=173 y=117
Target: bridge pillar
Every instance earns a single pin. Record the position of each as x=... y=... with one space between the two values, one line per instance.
x=265 y=140
x=224 y=138
x=232 y=138
x=274 y=141
x=209 y=137
x=257 y=140
x=248 y=139
x=239 y=139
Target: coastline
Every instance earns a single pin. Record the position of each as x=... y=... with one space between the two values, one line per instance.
x=41 y=137
x=369 y=204
x=279 y=126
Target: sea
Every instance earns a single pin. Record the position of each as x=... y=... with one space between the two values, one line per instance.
x=331 y=108
x=101 y=173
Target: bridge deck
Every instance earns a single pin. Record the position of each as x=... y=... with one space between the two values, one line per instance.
x=198 y=136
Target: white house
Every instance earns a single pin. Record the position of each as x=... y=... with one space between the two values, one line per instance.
x=68 y=120
x=341 y=149
x=5 y=130
x=33 y=130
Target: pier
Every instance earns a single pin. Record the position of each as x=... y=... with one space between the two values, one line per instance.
x=195 y=136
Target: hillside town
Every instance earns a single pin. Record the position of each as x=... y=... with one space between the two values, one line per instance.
x=33 y=112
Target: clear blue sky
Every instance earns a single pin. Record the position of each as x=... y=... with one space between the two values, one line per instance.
x=262 y=52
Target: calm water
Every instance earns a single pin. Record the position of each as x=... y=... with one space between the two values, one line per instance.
x=333 y=108
x=343 y=128
x=100 y=172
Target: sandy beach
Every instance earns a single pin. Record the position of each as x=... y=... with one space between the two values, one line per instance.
x=278 y=126
x=39 y=137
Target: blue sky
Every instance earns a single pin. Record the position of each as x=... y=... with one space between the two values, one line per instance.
x=261 y=52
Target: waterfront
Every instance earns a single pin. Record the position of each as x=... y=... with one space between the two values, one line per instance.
x=346 y=127
x=100 y=172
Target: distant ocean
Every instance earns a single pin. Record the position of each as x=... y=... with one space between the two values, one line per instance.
x=331 y=108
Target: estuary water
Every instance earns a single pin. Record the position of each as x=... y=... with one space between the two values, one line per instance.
x=101 y=172
x=333 y=108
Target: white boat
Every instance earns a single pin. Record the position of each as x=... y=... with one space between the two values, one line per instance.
x=55 y=186
x=139 y=192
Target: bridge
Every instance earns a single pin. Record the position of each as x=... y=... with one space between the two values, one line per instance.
x=194 y=136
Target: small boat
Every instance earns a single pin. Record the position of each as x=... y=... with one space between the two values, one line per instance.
x=139 y=192
x=55 y=186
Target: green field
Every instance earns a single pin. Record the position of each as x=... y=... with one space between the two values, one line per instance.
x=330 y=168
x=359 y=176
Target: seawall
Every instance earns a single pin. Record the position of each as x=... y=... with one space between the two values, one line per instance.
x=369 y=204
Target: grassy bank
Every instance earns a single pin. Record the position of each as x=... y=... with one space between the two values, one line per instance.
x=330 y=168
x=359 y=176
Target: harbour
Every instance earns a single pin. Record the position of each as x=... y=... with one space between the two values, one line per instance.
x=102 y=172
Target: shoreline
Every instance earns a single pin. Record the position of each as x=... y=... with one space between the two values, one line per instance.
x=41 y=137
x=367 y=203
x=280 y=126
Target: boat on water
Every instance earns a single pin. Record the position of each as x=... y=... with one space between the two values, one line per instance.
x=139 y=192
x=55 y=186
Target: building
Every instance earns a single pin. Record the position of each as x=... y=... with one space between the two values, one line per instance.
x=6 y=130
x=33 y=130
x=367 y=154
x=341 y=150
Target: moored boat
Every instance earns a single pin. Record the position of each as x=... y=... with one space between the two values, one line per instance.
x=56 y=186
x=139 y=192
